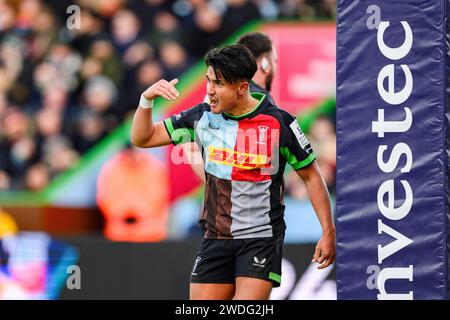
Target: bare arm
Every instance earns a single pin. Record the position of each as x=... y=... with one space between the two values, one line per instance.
x=325 y=252
x=144 y=133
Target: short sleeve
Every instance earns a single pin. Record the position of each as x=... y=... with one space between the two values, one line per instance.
x=180 y=127
x=294 y=146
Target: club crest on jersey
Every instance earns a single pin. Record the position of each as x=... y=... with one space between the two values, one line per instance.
x=236 y=159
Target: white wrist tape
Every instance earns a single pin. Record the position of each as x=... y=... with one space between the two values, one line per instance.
x=145 y=103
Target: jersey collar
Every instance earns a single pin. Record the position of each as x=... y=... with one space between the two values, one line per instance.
x=262 y=101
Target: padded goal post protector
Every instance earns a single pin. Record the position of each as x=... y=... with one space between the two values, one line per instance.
x=392 y=203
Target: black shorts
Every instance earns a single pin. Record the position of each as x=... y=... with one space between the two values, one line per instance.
x=221 y=261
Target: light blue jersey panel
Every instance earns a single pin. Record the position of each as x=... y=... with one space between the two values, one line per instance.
x=214 y=131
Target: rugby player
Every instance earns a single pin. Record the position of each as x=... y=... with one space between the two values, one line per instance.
x=247 y=142
x=260 y=45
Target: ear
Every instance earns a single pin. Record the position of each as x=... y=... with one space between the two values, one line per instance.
x=265 y=65
x=243 y=87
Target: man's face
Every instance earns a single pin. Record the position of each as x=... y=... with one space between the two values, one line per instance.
x=273 y=61
x=222 y=96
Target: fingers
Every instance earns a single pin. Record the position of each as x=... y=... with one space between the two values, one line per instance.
x=163 y=89
x=169 y=89
x=316 y=255
x=325 y=259
x=163 y=93
x=168 y=94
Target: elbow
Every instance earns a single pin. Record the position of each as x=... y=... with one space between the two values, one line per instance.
x=140 y=137
x=138 y=142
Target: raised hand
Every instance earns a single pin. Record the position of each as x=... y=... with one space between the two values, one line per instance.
x=162 y=88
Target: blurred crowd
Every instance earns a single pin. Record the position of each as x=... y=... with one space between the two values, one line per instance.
x=62 y=90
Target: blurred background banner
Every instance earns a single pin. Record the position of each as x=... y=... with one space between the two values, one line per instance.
x=33 y=265
x=71 y=73
x=307 y=57
x=392 y=127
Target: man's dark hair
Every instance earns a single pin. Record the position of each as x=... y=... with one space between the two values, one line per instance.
x=258 y=43
x=232 y=62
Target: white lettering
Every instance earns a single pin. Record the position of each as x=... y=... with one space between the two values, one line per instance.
x=390 y=211
x=397 y=152
x=400 y=242
x=394 y=53
x=389 y=95
x=394 y=273
x=381 y=126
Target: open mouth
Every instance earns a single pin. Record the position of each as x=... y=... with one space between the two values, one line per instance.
x=213 y=101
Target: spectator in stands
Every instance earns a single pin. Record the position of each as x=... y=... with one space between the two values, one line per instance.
x=106 y=62
x=327 y=9
x=100 y=95
x=206 y=31
x=5 y=182
x=90 y=129
x=238 y=12
x=37 y=177
x=174 y=58
x=300 y=9
x=126 y=28
x=166 y=27
x=58 y=155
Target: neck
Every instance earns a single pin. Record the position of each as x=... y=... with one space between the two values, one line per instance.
x=260 y=79
x=246 y=104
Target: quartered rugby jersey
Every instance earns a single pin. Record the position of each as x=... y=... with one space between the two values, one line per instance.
x=256 y=88
x=244 y=158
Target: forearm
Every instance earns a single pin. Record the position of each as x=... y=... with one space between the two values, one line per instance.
x=325 y=251
x=142 y=128
x=320 y=200
x=319 y=197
